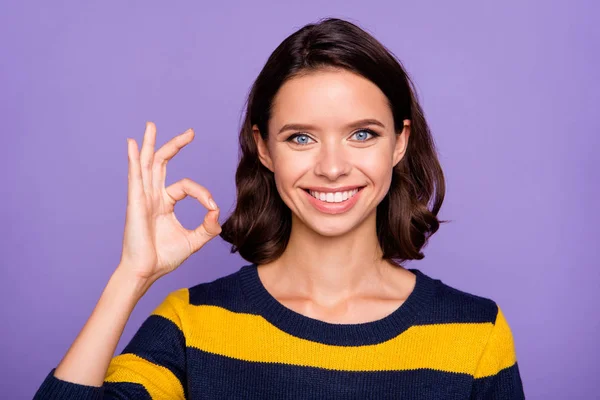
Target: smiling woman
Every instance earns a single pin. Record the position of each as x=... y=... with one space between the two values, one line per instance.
x=341 y=110
x=338 y=184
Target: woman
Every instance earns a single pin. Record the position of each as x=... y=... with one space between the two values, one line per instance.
x=338 y=184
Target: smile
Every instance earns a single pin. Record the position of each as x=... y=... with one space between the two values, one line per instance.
x=335 y=197
x=333 y=202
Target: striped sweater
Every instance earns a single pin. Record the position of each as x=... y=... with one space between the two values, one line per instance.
x=231 y=339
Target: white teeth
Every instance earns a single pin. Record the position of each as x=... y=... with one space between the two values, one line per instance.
x=336 y=197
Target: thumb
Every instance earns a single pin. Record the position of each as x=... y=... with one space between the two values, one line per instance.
x=209 y=228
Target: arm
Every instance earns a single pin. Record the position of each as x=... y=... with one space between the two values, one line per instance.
x=154 y=244
x=497 y=376
x=151 y=366
x=99 y=337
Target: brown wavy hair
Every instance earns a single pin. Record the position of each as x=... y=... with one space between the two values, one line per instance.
x=260 y=225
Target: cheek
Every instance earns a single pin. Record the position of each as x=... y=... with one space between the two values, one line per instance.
x=287 y=172
x=377 y=166
x=289 y=167
x=378 y=169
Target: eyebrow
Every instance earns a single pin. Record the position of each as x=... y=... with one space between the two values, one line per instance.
x=355 y=124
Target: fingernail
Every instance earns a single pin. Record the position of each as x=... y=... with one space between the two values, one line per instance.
x=212 y=203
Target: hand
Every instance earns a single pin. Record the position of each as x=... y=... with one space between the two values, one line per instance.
x=154 y=242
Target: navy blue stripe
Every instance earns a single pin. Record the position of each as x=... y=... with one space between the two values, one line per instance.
x=56 y=389
x=160 y=341
x=449 y=305
x=506 y=384
x=125 y=391
x=222 y=377
x=223 y=292
x=53 y=388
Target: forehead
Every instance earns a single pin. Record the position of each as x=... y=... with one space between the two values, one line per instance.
x=329 y=99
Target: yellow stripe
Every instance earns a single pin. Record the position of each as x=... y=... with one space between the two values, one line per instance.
x=175 y=305
x=500 y=351
x=454 y=347
x=159 y=381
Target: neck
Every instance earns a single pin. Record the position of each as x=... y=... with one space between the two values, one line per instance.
x=332 y=267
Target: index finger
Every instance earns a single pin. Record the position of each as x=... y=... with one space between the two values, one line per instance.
x=165 y=153
x=181 y=189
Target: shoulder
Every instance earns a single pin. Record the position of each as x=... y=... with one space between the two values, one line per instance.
x=225 y=292
x=450 y=308
x=451 y=304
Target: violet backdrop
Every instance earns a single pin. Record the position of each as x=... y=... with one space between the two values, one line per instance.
x=510 y=89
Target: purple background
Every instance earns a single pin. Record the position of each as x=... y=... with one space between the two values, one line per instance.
x=510 y=90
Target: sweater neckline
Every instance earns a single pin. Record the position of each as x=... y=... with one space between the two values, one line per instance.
x=308 y=328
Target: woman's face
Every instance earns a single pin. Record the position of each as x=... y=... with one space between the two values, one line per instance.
x=317 y=146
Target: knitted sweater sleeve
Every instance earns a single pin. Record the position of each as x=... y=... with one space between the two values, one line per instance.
x=497 y=375
x=152 y=365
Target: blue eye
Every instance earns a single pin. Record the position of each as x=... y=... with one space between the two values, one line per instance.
x=305 y=137
x=367 y=131
x=300 y=135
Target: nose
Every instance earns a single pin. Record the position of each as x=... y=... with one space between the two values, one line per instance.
x=332 y=161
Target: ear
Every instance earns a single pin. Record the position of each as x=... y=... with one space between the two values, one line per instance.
x=402 y=142
x=263 y=149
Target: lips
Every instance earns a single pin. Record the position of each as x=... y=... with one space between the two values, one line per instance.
x=322 y=189
x=357 y=188
x=334 y=208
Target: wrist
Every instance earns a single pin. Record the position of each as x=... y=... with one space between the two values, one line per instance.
x=130 y=283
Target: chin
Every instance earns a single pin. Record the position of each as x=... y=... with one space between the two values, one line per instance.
x=332 y=227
